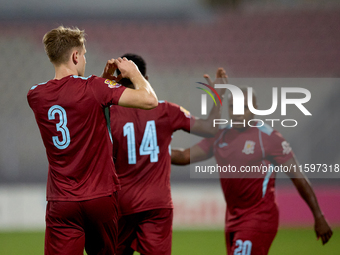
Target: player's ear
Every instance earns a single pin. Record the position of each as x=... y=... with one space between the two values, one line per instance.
x=75 y=55
x=146 y=77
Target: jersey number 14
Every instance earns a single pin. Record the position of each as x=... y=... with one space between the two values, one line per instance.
x=149 y=142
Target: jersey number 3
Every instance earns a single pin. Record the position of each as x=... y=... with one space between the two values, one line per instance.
x=149 y=142
x=61 y=127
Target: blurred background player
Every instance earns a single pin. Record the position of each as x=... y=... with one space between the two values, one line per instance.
x=69 y=110
x=141 y=150
x=252 y=214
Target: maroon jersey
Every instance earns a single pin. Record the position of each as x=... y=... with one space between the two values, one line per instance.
x=70 y=115
x=250 y=201
x=141 y=150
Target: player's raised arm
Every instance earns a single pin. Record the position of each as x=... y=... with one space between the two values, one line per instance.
x=321 y=227
x=204 y=127
x=143 y=96
x=189 y=155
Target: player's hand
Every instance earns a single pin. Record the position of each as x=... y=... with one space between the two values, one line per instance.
x=127 y=68
x=221 y=78
x=322 y=229
x=109 y=70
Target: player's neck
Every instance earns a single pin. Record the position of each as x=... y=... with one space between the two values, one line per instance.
x=63 y=71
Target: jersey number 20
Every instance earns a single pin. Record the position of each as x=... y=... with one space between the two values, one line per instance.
x=242 y=248
x=61 y=127
x=149 y=142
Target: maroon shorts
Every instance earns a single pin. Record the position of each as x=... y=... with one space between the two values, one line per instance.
x=71 y=226
x=148 y=232
x=249 y=242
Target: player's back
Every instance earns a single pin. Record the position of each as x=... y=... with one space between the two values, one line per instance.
x=72 y=124
x=141 y=141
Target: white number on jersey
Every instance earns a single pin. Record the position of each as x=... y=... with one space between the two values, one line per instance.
x=149 y=142
x=242 y=248
x=129 y=132
x=61 y=127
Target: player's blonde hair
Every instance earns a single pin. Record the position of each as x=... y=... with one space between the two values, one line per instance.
x=60 y=41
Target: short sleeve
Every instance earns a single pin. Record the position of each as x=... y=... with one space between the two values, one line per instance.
x=278 y=149
x=106 y=92
x=180 y=118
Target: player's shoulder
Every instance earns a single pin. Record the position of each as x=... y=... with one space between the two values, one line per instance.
x=173 y=109
x=224 y=130
x=166 y=104
x=34 y=87
x=96 y=82
x=268 y=132
x=163 y=102
x=93 y=79
x=85 y=79
x=266 y=129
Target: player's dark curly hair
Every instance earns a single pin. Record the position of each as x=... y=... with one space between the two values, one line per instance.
x=138 y=60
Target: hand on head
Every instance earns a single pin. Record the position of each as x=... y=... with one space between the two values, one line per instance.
x=127 y=68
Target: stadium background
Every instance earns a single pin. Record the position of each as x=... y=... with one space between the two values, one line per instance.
x=180 y=40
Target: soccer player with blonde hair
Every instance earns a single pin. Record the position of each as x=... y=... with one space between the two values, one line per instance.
x=70 y=112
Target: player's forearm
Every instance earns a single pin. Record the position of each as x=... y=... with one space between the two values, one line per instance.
x=215 y=113
x=180 y=156
x=304 y=188
x=204 y=127
x=146 y=93
x=143 y=96
x=306 y=192
x=216 y=110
